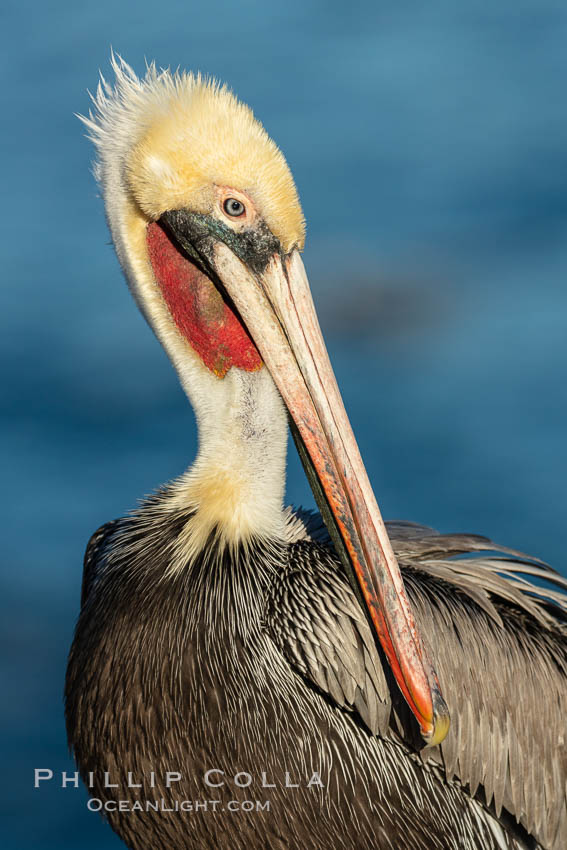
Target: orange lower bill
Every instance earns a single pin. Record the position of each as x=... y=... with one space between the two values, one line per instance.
x=278 y=312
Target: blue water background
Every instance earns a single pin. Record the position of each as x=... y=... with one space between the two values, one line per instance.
x=429 y=145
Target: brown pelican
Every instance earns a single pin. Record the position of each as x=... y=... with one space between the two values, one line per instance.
x=231 y=653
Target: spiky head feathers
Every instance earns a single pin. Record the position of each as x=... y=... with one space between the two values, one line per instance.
x=171 y=138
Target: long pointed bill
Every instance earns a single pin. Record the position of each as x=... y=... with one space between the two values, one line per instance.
x=277 y=309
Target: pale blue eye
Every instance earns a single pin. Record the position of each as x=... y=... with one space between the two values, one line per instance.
x=234 y=207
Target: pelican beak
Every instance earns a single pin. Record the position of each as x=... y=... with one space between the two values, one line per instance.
x=274 y=302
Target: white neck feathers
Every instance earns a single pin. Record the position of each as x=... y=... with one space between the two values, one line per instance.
x=236 y=484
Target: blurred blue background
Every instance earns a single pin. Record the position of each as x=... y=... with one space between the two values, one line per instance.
x=429 y=145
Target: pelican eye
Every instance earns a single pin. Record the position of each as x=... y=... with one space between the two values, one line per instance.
x=234 y=207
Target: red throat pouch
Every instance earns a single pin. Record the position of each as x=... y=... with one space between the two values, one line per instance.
x=198 y=309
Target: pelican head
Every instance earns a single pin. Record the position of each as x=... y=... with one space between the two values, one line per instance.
x=207 y=224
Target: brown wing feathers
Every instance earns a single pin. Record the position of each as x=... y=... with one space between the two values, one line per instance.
x=500 y=647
